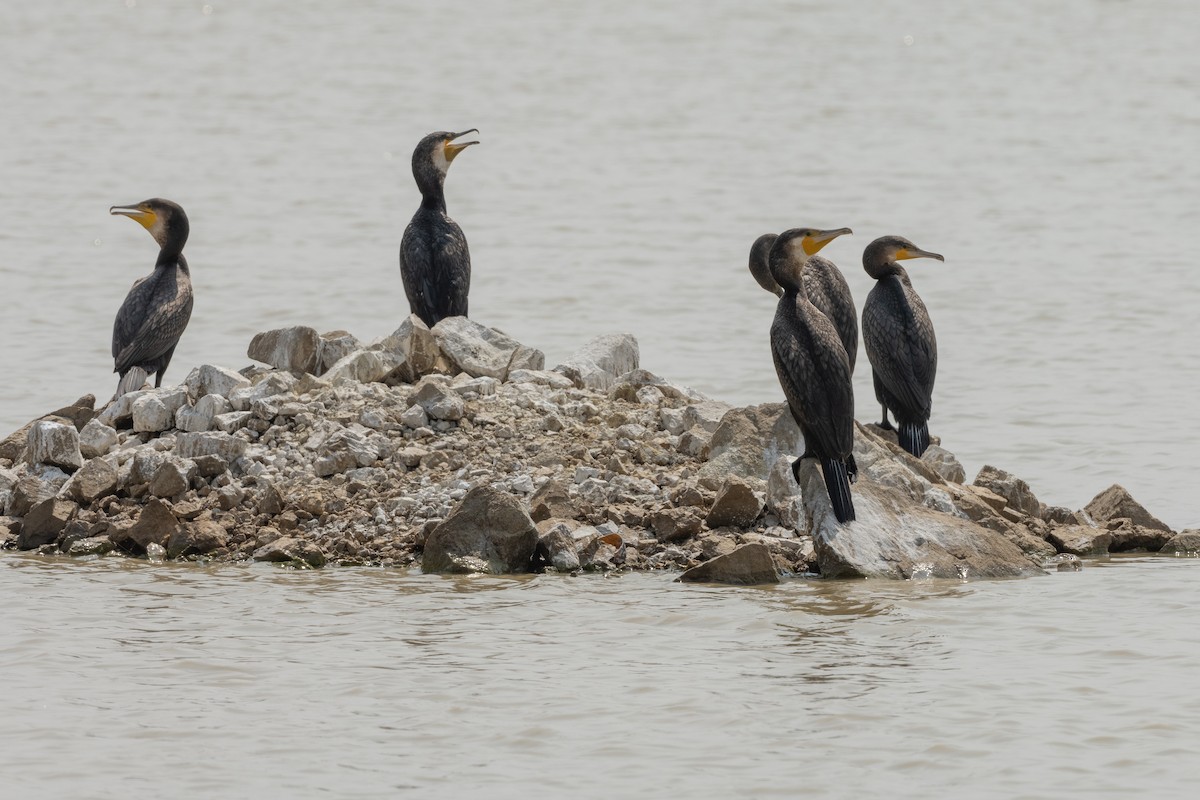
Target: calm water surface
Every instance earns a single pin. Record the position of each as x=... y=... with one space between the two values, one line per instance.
x=128 y=679
x=628 y=161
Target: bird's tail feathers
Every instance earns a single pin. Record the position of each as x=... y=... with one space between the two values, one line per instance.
x=837 y=482
x=131 y=381
x=914 y=437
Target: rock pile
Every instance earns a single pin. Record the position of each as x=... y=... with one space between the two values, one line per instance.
x=454 y=448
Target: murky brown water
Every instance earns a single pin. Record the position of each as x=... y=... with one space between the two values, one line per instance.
x=629 y=159
x=129 y=679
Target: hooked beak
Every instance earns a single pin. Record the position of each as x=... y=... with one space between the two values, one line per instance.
x=916 y=252
x=814 y=242
x=453 y=149
x=144 y=217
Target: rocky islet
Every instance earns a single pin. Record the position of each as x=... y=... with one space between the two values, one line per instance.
x=455 y=450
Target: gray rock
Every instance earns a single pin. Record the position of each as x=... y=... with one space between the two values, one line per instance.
x=192 y=445
x=155 y=525
x=749 y=565
x=119 y=413
x=478 y=350
x=96 y=439
x=483 y=386
x=232 y=422
x=344 y=450
x=1116 y=502
x=438 y=401
x=151 y=415
x=895 y=536
x=1080 y=540
x=97 y=478
x=415 y=417
x=749 y=441
x=944 y=463
x=209 y=379
x=35 y=486
x=369 y=366
x=552 y=501
x=90 y=546
x=706 y=414
x=541 y=377
x=695 y=442
x=671 y=420
x=1126 y=537
x=12 y=447
x=1014 y=490
x=297 y=348
x=199 y=418
x=784 y=498
x=597 y=364
x=294 y=551
x=173 y=477
x=55 y=444
x=675 y=524
x=557 y=548
x=488 y=531
x=196 y=539
x=45 y=522
x=336 y=345
x=736 y=505
x=417 y=344
x=1187 y=541
x=144 y=465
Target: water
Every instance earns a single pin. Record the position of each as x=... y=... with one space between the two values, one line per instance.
x=239 y=681
x=628 y=161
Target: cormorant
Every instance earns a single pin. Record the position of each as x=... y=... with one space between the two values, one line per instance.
x=825 y=286
x=813 y=367
x=900 y=342
x=157 y=309
x=434 y=261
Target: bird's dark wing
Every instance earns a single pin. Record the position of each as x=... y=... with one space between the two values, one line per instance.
x=452 y=271
x=416 y=270
x=436 y=267
x=900 y=343
x=828 y=290
x=815 y=375
x=161 y=317
x=131 y=314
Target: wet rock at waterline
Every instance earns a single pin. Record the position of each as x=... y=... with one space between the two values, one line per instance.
x=748 y=565
x=488 y=531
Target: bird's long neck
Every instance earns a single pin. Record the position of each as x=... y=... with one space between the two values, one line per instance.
x=430 y=181
x=171 y=252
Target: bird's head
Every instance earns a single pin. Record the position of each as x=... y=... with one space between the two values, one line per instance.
x=164 y=219
x=881 y=255
x=436 y=151
x=794 y=247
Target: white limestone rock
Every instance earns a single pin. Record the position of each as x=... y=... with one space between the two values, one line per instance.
x=96 y=439
x=54 y=444
x=597 y=364
x=209 y=379
x=297 y=348
x=478 y=350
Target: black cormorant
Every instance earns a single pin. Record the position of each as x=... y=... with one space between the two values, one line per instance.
x=813 y=367
x=434 y=261
x=900 y=342
x=158 y=307
x=825 y=286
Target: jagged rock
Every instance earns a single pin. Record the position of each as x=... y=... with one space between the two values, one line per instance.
x=736 y=505
x=944 y=463
x=45 y=522
x=196 y=539
x=748 y=565
x=295 y=551
x=76 y=415
x=417 y=344
x=542 y=377
x=1014 y=490
x=297 y=348
x=478 y=350
x=97 y=478
x=1061 y=516
x=199 y=418
x=1187 y=541
x=1127 y=536
x=55 y=444
x=675 y=524
x=150 y=415
x=706 y=414
x=1115 y=502
x=695 y=442
x=232 y=421
x=173 y=477
x=1080 y=540
x=415 y=417
x=749 y=440
x=35 y=487
x=369 y=366
x=344 y=450
x=627 y=386
x=552 y=501
x=893 y=536
x=193 y=445
x=557 y=548
x=438 y=401
x=597 y=364
x=1032 y=545
x=599 y=551
x=144 y=465
x=483 y=386
x=783 y=496
x=96 y=439
x=209 y=379
x=488 y=531
x=155 y=525
x=336 y=345
x=90 y=546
